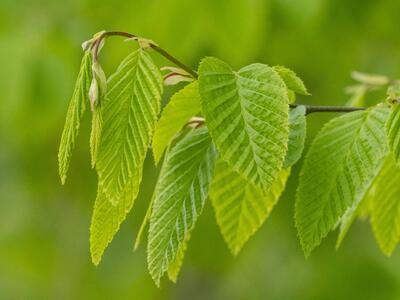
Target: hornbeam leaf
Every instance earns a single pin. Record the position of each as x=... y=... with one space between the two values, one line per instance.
x=179 y=198
x=297 y=135
x=385 y=206
x=359 y=209
x=107 y=218
x=175 y=267
x=182 y=106
x=247 y=115
x=144 y=224
x=75 y=112
x=292 y=81
x=393 y=131
x=129 y=110
x=337 y=171
x=240 y=206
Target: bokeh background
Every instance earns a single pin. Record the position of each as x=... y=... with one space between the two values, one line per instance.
x=44 y=249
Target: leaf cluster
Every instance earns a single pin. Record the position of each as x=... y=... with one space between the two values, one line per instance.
x=231 y=137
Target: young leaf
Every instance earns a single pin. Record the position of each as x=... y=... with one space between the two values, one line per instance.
x=107 y=218
x=385 y=206
x=337 y=170
x=247 y=116
x=292 y=81
x=297 y=135
x=240 y=206
x=175 y=267
x=75 y=112
x=360 y=208
x=182 y=106
x=144 y=224
x=393 y=131
x=95 y=134
x=129 y=110
x=179 y=198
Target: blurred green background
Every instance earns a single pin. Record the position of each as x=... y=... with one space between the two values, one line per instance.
x=44 y=249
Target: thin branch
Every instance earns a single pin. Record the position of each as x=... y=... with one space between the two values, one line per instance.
x=155 y=47
x=309 y=108
x=320 y=108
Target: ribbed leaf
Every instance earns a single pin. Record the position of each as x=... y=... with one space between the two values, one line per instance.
x=179 y=198
x=107 y=218
x=240 y=206
x=175 y=267
x=359 y=209
x=393 y=131
x=75 y=112
x=385 y=208
x=129 y=112
x=297 y=135
x=247 y=116
x=292 y=81
x=338 y=168
x=182 y=106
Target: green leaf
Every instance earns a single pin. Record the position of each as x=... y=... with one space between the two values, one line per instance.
x=129 y=112
x=292 y=81
x=182 y=106
x=297 y=135
x=95 y=134
x=240 y=206
x=337 y=171
x=107 y=218
x=359 y=209
x=247 y=115
x=385 y=206
x=180 y=194
x=75 y=112
x=175 y=267
x=144 y=224
x=393 y=131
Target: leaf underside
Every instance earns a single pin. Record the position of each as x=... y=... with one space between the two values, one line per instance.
x=75 y=112
x=297 y=135
x=183 y=105
x=247 y=116
x=176 y=265
x=240 y=206
x=337 y=171
x=180 y=194
x=129 y=110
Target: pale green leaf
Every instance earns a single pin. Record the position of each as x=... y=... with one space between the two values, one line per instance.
x=393 y=131
x=297 y=135
x=247 y=115
x=144 y=224
x=75 y=112
x=180 y=194
x=240 y=206
x=107 y=218
x=129 y=111
x=182 y=106
x=358 y=93
x=95 y=134
x=359 y=209
x=292 y=81
x=337 y=171
x=175 y=267
x=385 y=207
